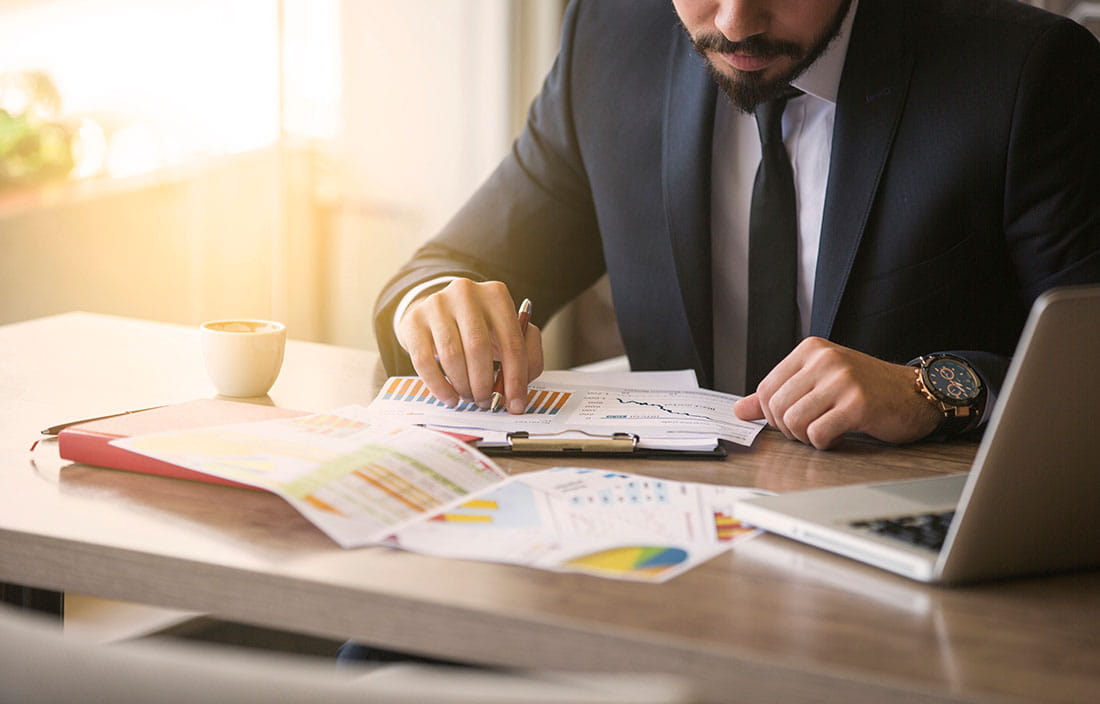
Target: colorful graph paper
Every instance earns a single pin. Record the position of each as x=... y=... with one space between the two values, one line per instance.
x=727 y=527
x=651 y=560
x=413 y=390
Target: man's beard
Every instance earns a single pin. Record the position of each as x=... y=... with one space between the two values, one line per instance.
x=747 y=89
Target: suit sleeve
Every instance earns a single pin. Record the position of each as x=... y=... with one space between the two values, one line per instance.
x=1052 y=174
x=1052 y=212
x=531 y=224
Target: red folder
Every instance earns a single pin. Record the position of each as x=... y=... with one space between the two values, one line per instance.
x=88 y=443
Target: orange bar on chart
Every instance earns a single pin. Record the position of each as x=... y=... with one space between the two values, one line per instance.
x=536 y=403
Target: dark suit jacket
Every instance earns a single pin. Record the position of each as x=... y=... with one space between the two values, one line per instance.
x=965 y=180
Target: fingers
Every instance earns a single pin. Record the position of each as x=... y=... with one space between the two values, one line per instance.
x=437 y=331
x=815 y=418
x=464 y=352
x=776 y=390
x=828 y=430
x=797 y=393
x=748 y=408
x=512 y=353
x=522 y=368
x=822 y=390
x=419 y=342
x=807 y=419
x=453 y=335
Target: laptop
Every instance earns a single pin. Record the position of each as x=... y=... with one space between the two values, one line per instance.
x=1030 y=503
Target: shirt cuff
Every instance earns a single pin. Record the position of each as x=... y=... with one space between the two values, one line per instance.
x=412 y=294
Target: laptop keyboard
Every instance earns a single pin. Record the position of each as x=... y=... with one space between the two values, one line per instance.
x=925 y=529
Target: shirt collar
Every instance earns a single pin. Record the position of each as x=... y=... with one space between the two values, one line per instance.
x=822 y=78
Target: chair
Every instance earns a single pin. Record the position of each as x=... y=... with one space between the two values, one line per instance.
x=39 y=664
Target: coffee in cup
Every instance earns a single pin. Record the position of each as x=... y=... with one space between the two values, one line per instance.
x=243 y=356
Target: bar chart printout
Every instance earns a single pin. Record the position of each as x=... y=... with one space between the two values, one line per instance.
x=412 y=390
x=353 y=480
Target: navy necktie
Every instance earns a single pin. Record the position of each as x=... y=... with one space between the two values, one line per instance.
x=773 y=324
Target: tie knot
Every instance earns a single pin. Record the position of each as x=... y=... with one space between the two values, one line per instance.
x=769 y=115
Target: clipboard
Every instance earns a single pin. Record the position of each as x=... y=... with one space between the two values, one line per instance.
x=617 y=445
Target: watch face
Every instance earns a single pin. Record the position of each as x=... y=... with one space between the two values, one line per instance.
x=953 y=381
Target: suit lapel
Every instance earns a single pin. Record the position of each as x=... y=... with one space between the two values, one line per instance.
x=689 y=125
x=872 y=94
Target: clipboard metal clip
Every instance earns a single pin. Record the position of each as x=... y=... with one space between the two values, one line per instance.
x=523 y=441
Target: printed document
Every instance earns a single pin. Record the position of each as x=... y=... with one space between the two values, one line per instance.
x=677 y=418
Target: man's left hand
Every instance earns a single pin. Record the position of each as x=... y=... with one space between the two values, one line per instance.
x=822 y=390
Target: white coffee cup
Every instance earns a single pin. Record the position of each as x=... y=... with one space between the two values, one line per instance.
x=243 y=356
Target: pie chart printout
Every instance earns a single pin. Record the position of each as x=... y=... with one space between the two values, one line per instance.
x=642 y=559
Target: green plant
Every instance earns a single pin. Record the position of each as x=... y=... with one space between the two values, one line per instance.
x=34 y=148
x=32 y=153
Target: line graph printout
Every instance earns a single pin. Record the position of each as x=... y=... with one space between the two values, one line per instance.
x=692 y=410
x=559 y=407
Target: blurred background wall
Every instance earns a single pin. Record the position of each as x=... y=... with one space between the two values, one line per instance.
x=193 y=159
x=186 y=160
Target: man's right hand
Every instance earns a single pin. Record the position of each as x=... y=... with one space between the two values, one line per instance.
x=454 y=335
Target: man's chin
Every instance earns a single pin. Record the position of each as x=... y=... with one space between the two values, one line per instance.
x=747 y=89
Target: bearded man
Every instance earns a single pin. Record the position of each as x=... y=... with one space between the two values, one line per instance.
x=801 y=200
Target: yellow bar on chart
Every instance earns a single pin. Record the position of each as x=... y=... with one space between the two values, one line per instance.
x=463 y=518
x=481 y=503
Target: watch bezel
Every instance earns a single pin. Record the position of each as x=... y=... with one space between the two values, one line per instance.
x=926 y=365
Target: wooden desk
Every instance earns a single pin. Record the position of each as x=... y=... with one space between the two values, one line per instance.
x=772 y=621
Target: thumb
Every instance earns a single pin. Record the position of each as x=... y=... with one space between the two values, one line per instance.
x=748 y=408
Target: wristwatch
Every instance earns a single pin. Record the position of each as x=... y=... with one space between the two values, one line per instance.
x=953 y=386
